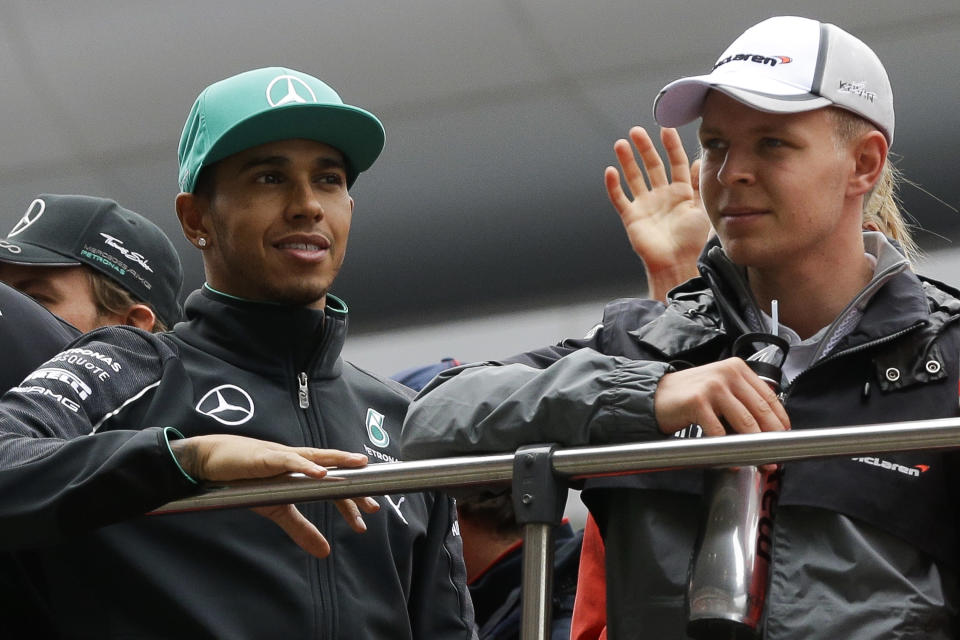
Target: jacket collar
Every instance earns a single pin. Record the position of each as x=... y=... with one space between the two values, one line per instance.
x=719 y=305
x=270 y=339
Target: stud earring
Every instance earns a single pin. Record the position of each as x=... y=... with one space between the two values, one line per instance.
x=202 y=242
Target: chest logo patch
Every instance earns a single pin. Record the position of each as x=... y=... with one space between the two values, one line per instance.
x=378 y=436
x=227 y=404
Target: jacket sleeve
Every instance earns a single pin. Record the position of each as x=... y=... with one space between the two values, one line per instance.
x=59 y=475
x=29 y=334
x=440 y=605
x=583 y=397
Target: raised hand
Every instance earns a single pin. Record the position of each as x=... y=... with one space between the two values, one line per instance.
x=665 y=221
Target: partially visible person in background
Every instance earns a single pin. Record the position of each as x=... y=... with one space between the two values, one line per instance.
x=29 y=334
x=90 y=263
x=493 y=551
x=93 y=263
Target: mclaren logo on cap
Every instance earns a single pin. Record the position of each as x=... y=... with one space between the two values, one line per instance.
x=34 y=211
x=228 y=404
x=289 y=89
x=751 y=57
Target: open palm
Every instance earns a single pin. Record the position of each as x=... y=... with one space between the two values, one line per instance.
x=665 y=221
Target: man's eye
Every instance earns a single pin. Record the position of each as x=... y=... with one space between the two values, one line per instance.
x=332 y=178
x=772 y=142
x=711 y=144
x=269 y=178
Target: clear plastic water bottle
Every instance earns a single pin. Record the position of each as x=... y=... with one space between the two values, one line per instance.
x=731 y=564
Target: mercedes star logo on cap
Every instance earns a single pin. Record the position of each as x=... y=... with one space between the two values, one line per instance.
x=277 y=98
x=34 y=211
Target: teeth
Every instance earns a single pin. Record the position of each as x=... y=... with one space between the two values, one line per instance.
x=300 y=246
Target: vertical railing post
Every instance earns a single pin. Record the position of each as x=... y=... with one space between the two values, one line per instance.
x=539 y=498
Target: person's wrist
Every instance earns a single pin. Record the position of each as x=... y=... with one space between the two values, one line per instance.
x=663 y=279
x=184 y=455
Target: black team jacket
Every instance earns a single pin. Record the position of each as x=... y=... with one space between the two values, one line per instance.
x=265 y=371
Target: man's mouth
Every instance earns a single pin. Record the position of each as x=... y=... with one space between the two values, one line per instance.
x=314 y=247
x=300 y=246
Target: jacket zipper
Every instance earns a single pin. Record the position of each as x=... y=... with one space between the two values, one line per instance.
x=867 y=345
x=303 y=393
x=322 y=578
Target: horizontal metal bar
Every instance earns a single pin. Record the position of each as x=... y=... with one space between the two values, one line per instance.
x=761 y=448
x=375 y=479
x=582 y=462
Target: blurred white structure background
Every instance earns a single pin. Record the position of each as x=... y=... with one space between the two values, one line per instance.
x=500 y=117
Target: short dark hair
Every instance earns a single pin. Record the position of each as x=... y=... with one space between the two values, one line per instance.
x=206 y=184
x=494 y=514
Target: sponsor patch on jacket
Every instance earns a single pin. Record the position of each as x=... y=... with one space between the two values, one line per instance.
x=375 y=431
x=227 y=404
x=93 y=361
x=379 y=455
x=59 y=398
x=82 y=390
x=880 y=463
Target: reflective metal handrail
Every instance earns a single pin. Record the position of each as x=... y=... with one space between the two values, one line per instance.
x=580 y=462
x=575 y=463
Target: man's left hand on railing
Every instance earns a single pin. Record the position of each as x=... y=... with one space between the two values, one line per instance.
x=223 y=457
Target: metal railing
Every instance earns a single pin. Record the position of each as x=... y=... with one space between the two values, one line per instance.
x=540 y=490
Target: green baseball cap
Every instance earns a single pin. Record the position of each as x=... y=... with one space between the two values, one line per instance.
x=266 y=105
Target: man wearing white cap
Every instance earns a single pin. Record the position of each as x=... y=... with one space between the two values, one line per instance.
x=796 y=121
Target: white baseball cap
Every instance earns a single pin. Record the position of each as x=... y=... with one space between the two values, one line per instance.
x=788 y=65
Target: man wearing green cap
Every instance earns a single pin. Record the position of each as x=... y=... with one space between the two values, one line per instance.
x=266 y=159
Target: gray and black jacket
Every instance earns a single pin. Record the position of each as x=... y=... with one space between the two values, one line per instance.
x=264 y=371
x=864 y=548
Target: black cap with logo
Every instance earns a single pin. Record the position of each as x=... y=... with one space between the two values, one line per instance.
x=64 y=230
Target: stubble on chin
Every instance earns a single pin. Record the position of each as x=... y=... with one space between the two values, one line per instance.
x=300 y=294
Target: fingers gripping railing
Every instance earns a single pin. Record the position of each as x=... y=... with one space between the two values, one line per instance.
x=538 y=491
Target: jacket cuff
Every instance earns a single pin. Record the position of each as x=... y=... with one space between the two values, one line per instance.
x=627 y=413
x=167 y=433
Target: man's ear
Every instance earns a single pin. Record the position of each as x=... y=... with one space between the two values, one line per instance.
x=191 y=210
x=870 y=154
x=140 y=316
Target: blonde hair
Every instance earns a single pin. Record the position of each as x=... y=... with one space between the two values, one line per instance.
x=112 y=299
x=882 y=205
